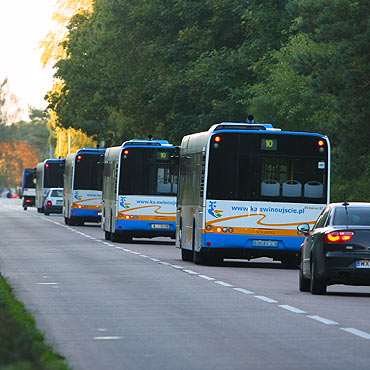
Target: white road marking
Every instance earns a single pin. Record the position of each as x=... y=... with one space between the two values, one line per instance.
x=47 y=283
x=191 y=272
x=164 y=263
x=107 y=338
x=291 y=308
x=177 y=267
x=143 y=255
x=265 y=299
x=357 y=332
x=322 y=319
x=206 y=277
x=223 y=283
x=126 y=250
x=245 y=291
x=155 y=259
x=102 y=329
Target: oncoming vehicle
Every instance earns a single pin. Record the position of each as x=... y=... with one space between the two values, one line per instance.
x=337 y=250
x=83 y=178
x=28 y=187
x=54 y=201
x=139 y=190
x=244 y=188
x=49 y=174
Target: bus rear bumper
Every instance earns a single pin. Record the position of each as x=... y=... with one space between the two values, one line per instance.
x=86 y=215
x=146 y=229
x=251 y=246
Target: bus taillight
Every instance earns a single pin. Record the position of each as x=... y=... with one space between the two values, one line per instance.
x=217 y=139
x=321 y=143
x=79 y=157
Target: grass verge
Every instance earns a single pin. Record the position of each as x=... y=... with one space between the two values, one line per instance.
x=22 y=345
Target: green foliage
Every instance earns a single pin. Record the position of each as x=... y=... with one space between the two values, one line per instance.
x=172 y=67
x=24 y=349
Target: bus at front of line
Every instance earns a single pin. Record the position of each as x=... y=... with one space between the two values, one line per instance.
x=244 y=188
x=49 y=174
x=28 y=187
x=83 y=177
x=139 y=190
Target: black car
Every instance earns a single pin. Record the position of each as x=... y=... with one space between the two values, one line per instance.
x=337 y=250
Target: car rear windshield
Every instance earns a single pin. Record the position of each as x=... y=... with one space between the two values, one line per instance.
x=352 y=216
x=56 y=193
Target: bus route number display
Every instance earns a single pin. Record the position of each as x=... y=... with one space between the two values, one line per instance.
x=269 y=144
x=162 y=156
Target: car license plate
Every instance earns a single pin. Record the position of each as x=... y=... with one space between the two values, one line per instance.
x=160 y=226
x=363 y=264
x=265 y=243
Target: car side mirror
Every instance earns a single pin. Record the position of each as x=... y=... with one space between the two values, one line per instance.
x=303 y=229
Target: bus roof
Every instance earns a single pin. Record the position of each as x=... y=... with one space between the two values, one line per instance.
x=140 y=142
x=242 y=126
x=92 y=150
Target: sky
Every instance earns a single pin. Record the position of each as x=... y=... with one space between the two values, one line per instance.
x=23 y=23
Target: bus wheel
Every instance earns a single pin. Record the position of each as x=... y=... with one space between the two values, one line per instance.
x=186 y=255
x=107 y=235
x=114 y=237
x=127 y=239
x=25 y=208
x=291 y=262
x=39 y=210
x=199 y=258
x=46 y=213
x=66 y=220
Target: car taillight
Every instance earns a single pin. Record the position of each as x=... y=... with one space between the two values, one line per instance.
x=28 y=200
x=339 y=236
x=49 y=203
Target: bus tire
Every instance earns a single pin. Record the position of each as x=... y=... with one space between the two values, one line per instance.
x=291 y=261
x=66 y=220
x=114 y=237
x=186 y=255
x=25 y=208
x=107 y=235
x=126 y=239
x=46 y=213
x=39 y=210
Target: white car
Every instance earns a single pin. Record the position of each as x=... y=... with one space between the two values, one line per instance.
x=54 y=201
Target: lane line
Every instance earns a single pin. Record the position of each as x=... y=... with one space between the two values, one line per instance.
x=357 y=332
x=291 y=308
x=191 y=272
x=223 y=283
x=107 y=338
x=322 y=320
x=245 y=291
x=206 y=277
x=265 y=299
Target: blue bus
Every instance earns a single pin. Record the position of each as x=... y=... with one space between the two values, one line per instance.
x=244 y=188
x=83 y=177
x=139 y=190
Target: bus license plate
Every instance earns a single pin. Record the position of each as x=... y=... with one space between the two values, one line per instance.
x=363 y=264
x=265 y=243
x=161 y=226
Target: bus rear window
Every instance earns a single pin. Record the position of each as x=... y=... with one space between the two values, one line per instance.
x=53 y=175
x=88 y=172
x=267 y=167
x=146 y=171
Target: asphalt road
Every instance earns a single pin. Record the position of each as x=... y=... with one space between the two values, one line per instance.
x=107 y=305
